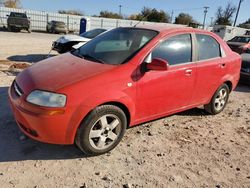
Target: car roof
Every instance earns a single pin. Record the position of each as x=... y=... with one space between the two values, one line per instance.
x=170 y=28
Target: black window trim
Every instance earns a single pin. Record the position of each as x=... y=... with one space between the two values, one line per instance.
x=196 y=59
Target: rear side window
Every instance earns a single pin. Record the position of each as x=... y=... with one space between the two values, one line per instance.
x=208 y=47
x=175 y=50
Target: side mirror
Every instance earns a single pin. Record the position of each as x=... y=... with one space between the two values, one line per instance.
x=7 y=15
x=157 y=64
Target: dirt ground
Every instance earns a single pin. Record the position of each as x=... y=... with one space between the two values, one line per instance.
x=189 y=149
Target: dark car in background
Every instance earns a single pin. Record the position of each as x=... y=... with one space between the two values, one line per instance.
x=17 y=21
x=69 y=42
x=245 y=68
x=240 y=44
x=56 y=27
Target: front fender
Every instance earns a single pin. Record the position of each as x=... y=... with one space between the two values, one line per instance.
x=91 y=102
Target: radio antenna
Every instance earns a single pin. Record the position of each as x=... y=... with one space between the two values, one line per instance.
x=143 y=19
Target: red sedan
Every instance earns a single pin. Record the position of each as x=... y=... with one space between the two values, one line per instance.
x=122 y=78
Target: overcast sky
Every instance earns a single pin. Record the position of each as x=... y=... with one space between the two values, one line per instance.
x=91 y=7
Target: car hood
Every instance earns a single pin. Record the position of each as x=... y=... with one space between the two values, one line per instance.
x=72 y=38
x=57 y=72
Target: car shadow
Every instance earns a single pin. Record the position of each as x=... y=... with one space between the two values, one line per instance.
x=31 y=58
x=12 y=148
x=193 y=112
x=243 y=88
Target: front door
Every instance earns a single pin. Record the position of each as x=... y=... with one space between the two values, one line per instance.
x=160 y=92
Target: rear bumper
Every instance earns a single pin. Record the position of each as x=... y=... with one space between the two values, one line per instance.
x=19 y=26
x=60 y=30
x=245 y=77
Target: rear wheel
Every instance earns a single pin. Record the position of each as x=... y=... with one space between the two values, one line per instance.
x=101 y=130
x=219 y=100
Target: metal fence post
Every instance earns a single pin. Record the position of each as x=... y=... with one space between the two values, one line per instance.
x=68 y=22
x=47 y=17
x=101 y=23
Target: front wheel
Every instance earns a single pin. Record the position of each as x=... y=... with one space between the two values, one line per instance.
x=101 y=130
x=219 y=100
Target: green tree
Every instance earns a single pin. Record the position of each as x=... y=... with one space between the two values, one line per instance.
x=12 y=3
x=224 y=17
x=184 y=19
x=107 y=14
x=151 y=15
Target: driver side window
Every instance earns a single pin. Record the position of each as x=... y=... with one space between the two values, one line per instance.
x=175 y=50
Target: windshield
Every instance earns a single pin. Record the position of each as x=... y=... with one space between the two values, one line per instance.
x=116 y=46
x=92 y=33
x=241 y=39
x=18 y=15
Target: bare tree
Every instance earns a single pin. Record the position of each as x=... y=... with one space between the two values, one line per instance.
x=12 y=3
x=224 y=17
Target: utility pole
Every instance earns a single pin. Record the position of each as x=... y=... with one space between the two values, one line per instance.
x=238 y=10
x=205 y=15
x=172 y=15
x=120 y=10
x=212 y=21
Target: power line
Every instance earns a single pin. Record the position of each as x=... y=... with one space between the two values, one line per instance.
x=191 y=9
x=182 y=10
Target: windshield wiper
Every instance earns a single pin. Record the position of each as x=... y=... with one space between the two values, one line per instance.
x=87 y=56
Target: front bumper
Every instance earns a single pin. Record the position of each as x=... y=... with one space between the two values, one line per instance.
x=245 y=77
x=43 y=124
x=56 y=46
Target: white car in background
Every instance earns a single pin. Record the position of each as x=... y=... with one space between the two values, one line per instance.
x=69 y=42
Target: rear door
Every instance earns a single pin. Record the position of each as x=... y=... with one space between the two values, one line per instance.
x=211 y=67
x=160 y=92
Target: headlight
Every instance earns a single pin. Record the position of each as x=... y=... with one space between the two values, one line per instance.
x=46 y=99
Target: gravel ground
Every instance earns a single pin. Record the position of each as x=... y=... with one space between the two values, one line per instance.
x=189 y=149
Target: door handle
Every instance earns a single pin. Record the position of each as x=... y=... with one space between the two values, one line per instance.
x=188 y=72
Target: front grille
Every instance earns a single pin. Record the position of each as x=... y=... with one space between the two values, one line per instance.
x=245 y=64
x=17 y=89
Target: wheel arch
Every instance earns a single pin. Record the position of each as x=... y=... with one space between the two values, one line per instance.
x=72 y=130
x=230 y=85
x=123 y=107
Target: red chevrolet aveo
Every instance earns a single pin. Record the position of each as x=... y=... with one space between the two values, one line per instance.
x=122 y=78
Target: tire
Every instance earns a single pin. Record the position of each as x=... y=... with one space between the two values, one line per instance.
x=29 y=30
x=101 y=130
x=218 y=101
x=9 y=28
